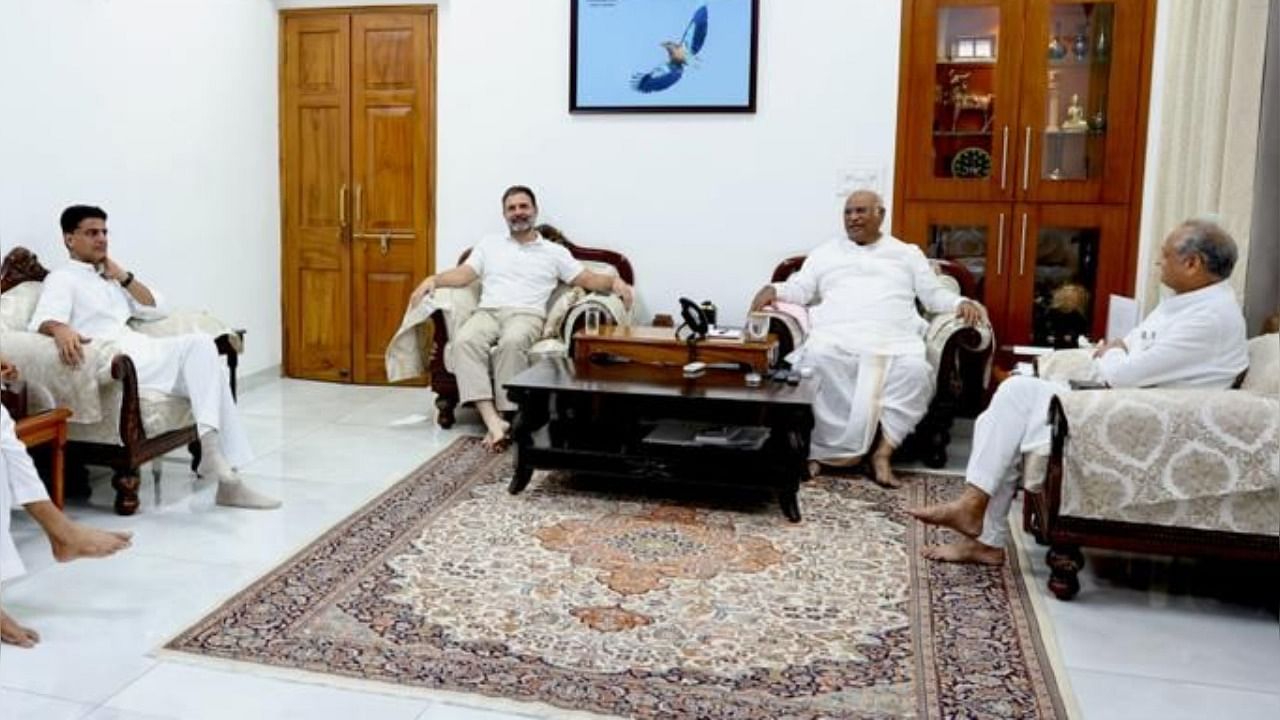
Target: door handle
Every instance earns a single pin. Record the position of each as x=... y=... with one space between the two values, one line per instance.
x=1004 y=157
x=384 y=244
x=388 y=236
x=1000 y=248
x=342 y=205
x=360 y=200
x=1026 y=161
x=1022 y=247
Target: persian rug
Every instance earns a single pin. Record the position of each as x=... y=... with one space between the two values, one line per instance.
x=655 y=602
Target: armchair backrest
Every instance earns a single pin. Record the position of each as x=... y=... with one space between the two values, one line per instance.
x=961 y=274
x=587 y=254
x=19 y=266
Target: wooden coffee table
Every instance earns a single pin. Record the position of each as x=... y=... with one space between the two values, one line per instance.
x=594 y=418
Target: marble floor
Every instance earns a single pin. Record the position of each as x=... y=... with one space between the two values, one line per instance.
x=1145 y=639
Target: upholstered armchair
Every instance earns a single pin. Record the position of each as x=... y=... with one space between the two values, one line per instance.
x=114 y=422
x=1183 y=472
x=565 y=310
x=960 y=354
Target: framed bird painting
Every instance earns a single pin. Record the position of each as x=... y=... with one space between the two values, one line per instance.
x=663 y=56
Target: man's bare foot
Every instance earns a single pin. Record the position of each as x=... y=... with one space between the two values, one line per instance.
x=14 y=634
x=964 y=550
x=80 y=541
x=882 y=471
x=964 y=514
x=498 y=438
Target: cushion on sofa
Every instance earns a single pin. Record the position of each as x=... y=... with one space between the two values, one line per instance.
x=18 y=304
x=1264 y=365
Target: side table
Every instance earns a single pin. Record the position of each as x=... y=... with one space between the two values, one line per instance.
x=48 y=427
x=660 y=345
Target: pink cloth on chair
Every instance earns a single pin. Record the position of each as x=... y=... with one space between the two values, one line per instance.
x=799 y=312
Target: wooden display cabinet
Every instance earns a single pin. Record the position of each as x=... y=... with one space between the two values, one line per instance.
x=1022 y=134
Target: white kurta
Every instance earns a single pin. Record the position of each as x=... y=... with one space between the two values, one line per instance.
x=1194 y=339
x=19 y=485
x=866 y=342
x=184 y=365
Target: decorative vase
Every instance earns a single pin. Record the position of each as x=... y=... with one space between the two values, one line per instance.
x=1081 y=45
x=1057 y=50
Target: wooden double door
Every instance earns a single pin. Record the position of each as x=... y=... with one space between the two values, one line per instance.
x=357 y=183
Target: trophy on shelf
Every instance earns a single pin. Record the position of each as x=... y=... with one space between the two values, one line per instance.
x=1053 y=102
x=1075 y=121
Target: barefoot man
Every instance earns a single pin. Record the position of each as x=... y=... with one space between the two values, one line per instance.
x=866 y=343
x=19 y=485
x=517 y=272
x=1196 y=338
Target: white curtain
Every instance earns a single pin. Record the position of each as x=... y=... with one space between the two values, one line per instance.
x=1209 y=131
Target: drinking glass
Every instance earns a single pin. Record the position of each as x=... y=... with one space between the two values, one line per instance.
x=757 y=326
x=592 y=317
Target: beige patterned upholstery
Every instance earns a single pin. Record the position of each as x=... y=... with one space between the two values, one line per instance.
x=89 y=391
x=1186 y=458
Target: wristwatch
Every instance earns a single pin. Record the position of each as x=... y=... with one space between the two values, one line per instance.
x=128 y=280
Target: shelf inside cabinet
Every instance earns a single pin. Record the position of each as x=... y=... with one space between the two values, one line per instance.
x=977 y=62
x=1072 y=133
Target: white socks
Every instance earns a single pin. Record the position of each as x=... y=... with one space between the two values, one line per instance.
x=232 y=491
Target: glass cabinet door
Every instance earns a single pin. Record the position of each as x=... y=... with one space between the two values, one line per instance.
x=963 y=99
x=1080 y=100
x=975 y=237
x=1064 y=263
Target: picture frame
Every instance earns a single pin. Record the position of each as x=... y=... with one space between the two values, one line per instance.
x=663 y=56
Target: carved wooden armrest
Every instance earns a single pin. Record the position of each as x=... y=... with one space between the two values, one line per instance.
x=131 y=430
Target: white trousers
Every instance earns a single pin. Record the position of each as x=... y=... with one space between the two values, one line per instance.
x=189 y=366
x=19 y=485
x=1016 y=421
x=858 y=393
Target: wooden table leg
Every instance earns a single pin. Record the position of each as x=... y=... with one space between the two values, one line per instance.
x=59 y=489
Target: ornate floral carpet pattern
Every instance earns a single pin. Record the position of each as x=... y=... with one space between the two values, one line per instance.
x=671 y=603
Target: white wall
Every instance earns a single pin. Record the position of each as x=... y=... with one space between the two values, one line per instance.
x=164 y=113
x=702 y=205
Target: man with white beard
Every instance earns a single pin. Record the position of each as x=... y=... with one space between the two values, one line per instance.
x=866 y=342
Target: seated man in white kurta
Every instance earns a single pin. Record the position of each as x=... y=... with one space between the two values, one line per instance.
x=19 y=485
x=866 y=341
x=518 y=271
x=1196 y=338
x=92 y=298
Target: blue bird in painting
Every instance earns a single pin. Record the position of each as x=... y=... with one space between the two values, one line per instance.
x=678 y=56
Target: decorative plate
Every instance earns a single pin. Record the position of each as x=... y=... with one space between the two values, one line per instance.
x=971 y=162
